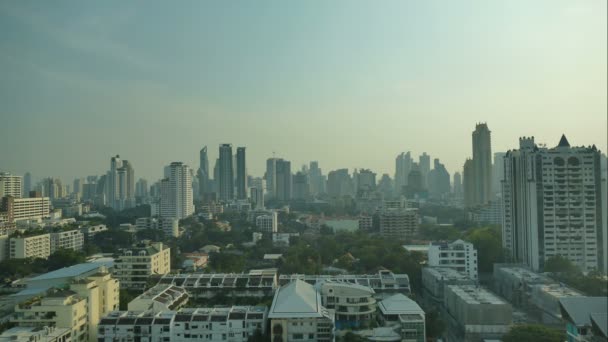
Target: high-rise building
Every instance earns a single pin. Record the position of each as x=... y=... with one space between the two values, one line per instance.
x=554 y=205
x=457 y=186
x=301 y=187
x=271 y=177
x=203 y=173
x=482 y=165
x=141 y=190
x=120 y=184
x=176 y=192
x=10 y=185
x=339 y=183
x=497 y=172
x=468 y=183
x=77 y=187
x=283 y=180
x=112 y=182
x=403 y=166
x=366 y=181
x=226 y=175
x=399 y=223
x=415 y=187
x=129 y=190
x=439 y=180
x=241 y=174
x=53 y=188
x=316 y=179
x=424 y=164
x=27 y=184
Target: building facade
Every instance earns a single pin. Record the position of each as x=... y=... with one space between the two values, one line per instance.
x=135 y=265
x=399 y=223
x=36 y=246
x=553 y=204
x=458 y=255
x=71 y=239
x=176 y=192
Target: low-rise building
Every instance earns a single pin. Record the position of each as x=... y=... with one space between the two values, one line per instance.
x=405 y=316
x=545 y=299
x=255 y=283
x=169 y=225
x=399 y=223
x=135 y=265
x=59 y=308
x=268 y=223
x=515 y=282
x=434 y=281
x=71 y=239
x=458 y=255
x=35 y=334
x=282 y=239
x=90 y=231
x=195 y=261
x=474 y=313
x=159 y=298
x=297 y=314
x=35 y=246
x=236 y=323
x=383 y=282
x=365 y=223
x=354 y=305
x=586 y=318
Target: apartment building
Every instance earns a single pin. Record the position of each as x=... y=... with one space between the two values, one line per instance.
x=354 y=305
x=234 y=324
x=34 y=334
x=399 y=224
x=134 y=266
x=159 y=298
x=71 y=239
x=36 y=246
x=404 y=316
x=458 y=255
x=25 y=209
x=297 y=314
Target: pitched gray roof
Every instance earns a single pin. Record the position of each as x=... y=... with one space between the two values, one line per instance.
x=578 y=310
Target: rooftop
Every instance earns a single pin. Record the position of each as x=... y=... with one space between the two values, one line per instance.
x=578 y=310
x=399 y=304
x=445 y=273
x=71 y=271
x=296 y=299
x=473 y=294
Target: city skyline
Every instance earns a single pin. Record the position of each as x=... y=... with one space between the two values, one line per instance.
x=414 y=78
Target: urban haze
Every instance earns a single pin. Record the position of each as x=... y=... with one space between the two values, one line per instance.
x=340 y=171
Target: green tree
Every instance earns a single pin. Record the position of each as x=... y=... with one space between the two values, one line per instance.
x=534 y=333
x=434 y=324
x=226 y=262
x=488 y=243
x=64 y=258
x=558 y=264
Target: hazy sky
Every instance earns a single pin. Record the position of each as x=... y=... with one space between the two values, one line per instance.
x=348 y=83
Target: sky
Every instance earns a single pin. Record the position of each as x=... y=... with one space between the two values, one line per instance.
x=348 y=83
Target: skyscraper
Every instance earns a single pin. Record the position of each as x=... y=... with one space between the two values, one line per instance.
x=497 y=172
x=316 y=179
x=203 y=173
x=424 y=165
x=176 y=192
x=468 y=183
x=482 y=164
x=554 y=205
x=120 y=184
x=403 y=166
x=301 y=187
x=241 y=174
x=439 y=180
x=141 y=190
x=457 y=186
x=283 y=180
x=271 y=177
x=226 y=183
x=27 y=184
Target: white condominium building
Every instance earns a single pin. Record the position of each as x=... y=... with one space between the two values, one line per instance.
x=159 y=298
x=354 y=305
x=236 y=324
x=458 y=255
x=176 y=192
x=71 y=239
x=268 y=223
x=30 y=334
x=10 y=185
x=297 y=314
x=135 y=265
x=403 y=315
x=554 y=205
x=36 y=246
